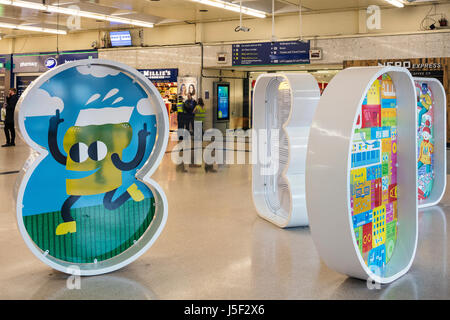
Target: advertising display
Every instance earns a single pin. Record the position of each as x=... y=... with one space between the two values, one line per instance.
x=366 y=151
x=431 y=141
x=223 y=102
x=187 y=85
x=284 y=105
x=85 y=197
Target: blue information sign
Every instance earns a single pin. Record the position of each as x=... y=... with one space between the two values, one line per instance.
x=267 y=53
x=41 y=62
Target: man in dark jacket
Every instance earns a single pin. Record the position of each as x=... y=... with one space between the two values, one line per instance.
x=10 y=133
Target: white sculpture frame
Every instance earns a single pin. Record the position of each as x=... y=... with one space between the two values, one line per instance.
x=304 y=97
x=440 y=142
x=329 y=162
x=144 y=174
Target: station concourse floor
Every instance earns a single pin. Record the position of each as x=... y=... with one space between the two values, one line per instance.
x=214 y=246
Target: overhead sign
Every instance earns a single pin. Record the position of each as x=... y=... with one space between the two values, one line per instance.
x=41 y=62
x=160 y=75
x=422 y=69
x=271 y=53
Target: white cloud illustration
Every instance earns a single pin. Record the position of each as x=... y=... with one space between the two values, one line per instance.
x=98 y=71
x=93 y=98
x=118 y=100
x=145 y=107
x=111 y=93
x=40 y=103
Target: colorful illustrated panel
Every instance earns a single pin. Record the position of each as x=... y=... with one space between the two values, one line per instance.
x=82 y=202
x=425 y=140
x=373 y=175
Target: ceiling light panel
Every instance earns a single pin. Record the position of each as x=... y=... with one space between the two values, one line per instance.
x=232 y=7
x=31 y=28
x=76 y=12
x=396 y=3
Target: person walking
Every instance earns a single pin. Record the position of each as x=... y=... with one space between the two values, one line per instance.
x=200 y=111
x=189 y=106
x=180 y=114
x=10 y=106
x=181 y=125
x=199 y=118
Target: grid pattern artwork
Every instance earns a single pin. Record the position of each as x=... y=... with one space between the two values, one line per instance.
x=373 y=175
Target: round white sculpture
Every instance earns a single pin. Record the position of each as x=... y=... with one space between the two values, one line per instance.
x=328 y=166
x=284 y=106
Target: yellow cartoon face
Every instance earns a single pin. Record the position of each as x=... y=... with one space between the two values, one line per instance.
x=89 y=148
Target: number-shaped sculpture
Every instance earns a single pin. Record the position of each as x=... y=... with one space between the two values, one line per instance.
x=361 y=173
x=98 y=130
x=284 y=109
x=431 y=141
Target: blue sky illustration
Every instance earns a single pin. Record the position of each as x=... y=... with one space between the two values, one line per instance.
x=46 y=188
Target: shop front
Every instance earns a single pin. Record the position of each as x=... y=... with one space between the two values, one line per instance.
x=166 y=81
x=27 y=67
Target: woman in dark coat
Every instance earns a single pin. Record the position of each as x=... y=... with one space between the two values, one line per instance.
x=10 y=132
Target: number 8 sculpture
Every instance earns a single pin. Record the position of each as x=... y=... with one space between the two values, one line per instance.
x=86 y=202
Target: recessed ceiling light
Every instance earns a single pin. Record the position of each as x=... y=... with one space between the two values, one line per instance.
x=31 y=28
x=397 y=3
x=232 y=7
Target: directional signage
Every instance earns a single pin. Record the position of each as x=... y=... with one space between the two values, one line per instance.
x=271 y=53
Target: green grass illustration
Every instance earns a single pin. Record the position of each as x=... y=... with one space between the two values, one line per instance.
x=101 y=234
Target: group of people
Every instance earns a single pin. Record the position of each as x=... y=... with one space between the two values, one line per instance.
x=189 y=111
x=7 y=116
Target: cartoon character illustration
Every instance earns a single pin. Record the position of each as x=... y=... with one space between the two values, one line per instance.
x=424 y=102
x=95 y=144
x=426 y=148
x=425 y=153
x=98 y=129
x=425 y=110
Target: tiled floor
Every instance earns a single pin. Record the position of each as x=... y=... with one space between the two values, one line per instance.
x=215 y=247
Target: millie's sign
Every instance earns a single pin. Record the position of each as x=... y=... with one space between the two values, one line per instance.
x=160 y=75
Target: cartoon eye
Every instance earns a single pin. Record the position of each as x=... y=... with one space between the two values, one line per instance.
x=79 y=152
x=97 y=151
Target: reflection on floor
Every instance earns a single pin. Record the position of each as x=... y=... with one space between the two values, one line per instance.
x=215 y=247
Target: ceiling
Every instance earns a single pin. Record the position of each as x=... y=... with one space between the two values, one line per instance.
x=165 y=11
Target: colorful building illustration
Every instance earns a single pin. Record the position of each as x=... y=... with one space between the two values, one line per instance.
x=373 y=176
